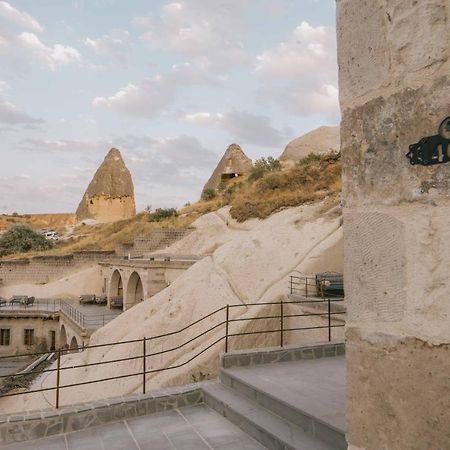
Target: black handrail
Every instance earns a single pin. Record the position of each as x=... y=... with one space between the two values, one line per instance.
x=317 y=287
x=281 y=329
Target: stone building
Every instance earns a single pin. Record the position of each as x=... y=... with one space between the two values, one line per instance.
x=110 y=194
x=234 y=163
x=394 y=87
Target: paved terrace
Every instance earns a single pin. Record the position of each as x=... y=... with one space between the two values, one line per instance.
x=284 y=398
x=189 y=428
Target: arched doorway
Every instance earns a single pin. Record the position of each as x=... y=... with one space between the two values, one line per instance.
x=116 y=285
x=135 y=290
x=73 y=344
x=63 y=337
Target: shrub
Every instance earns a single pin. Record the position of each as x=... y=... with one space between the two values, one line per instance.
x=310 y=158
x=20 y=239
x=209 y=194
x=263 y=166
x=162 y=213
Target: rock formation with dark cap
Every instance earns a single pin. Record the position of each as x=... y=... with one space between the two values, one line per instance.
x=110 y=194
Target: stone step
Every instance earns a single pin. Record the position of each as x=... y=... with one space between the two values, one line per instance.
x=271 y=430
x=274 y=403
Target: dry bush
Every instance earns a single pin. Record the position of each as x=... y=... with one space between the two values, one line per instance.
x=312 y=179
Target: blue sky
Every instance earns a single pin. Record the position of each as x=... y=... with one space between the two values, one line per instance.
x=169 y=83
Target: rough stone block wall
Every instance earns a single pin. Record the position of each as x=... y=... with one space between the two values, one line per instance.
x=394 y=82
x=156 y=240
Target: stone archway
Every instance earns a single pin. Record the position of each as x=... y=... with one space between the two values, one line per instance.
x=63 y=337
x=135 y=290
x=116 y=285
x=73 y=343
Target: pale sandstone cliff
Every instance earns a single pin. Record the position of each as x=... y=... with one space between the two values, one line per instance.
x=319 y=141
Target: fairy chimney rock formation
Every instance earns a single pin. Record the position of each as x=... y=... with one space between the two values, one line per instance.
x=234 y=163
x=318 y=141
x=110 y=194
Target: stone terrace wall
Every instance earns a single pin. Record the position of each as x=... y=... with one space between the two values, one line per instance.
x=43 y=269
x=157 y=240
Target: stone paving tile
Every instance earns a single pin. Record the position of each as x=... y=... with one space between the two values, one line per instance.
x=113 y=436
x=189 y=428
x=187 y=439
x=50 y=443
x=217 y=431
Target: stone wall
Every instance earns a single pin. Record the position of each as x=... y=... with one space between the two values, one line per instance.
x=156 y=240
x=41 y=322
x=43 y=269
x=395 y=89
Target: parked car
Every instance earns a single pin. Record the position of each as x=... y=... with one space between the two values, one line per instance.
x=87 y=299
x=101 y=300
x=116 y=302
x=52 y=235
x=330 y=284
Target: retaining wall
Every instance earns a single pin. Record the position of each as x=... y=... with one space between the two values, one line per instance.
x=44 y=269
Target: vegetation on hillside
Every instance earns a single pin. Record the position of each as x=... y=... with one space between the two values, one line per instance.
x=22 y=239
x=267 y=190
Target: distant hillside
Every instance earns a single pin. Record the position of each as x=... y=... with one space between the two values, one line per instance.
x=319 y=141
x=38 y=221
x=265 y=191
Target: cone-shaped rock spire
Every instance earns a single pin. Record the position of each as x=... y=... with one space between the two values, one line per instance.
x=110 y=194
x=233 y=163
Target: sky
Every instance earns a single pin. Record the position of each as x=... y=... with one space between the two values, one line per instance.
x=170 y=83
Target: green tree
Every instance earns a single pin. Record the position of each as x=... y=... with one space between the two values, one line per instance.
x=20 y=238
x=162 y=213
x=263 y=166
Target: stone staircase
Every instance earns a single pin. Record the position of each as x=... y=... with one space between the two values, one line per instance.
x=293 y=400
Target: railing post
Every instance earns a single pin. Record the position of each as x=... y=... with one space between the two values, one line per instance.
x=291 y=284
x=144 y=369
x=226 y=329
x=281 y=323
x=329 y=319
x=306 y=288
x=58 y=365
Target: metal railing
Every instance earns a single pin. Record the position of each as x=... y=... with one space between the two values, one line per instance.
x=315 y=287
x=86 y=320
x=224 y=319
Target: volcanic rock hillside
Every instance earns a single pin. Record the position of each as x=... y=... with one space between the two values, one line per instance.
x=243 y=263
x=319 y=141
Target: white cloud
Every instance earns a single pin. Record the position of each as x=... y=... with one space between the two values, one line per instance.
x=53 y=57
x=150 y=96
x=308 y=50
x=10 y=114
x=20 y=18
x=198 y=28
x=243 y=126
x=113 y=44
x=23 y=49
x=145 y=99
x=4 y=86
x=300 y=74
